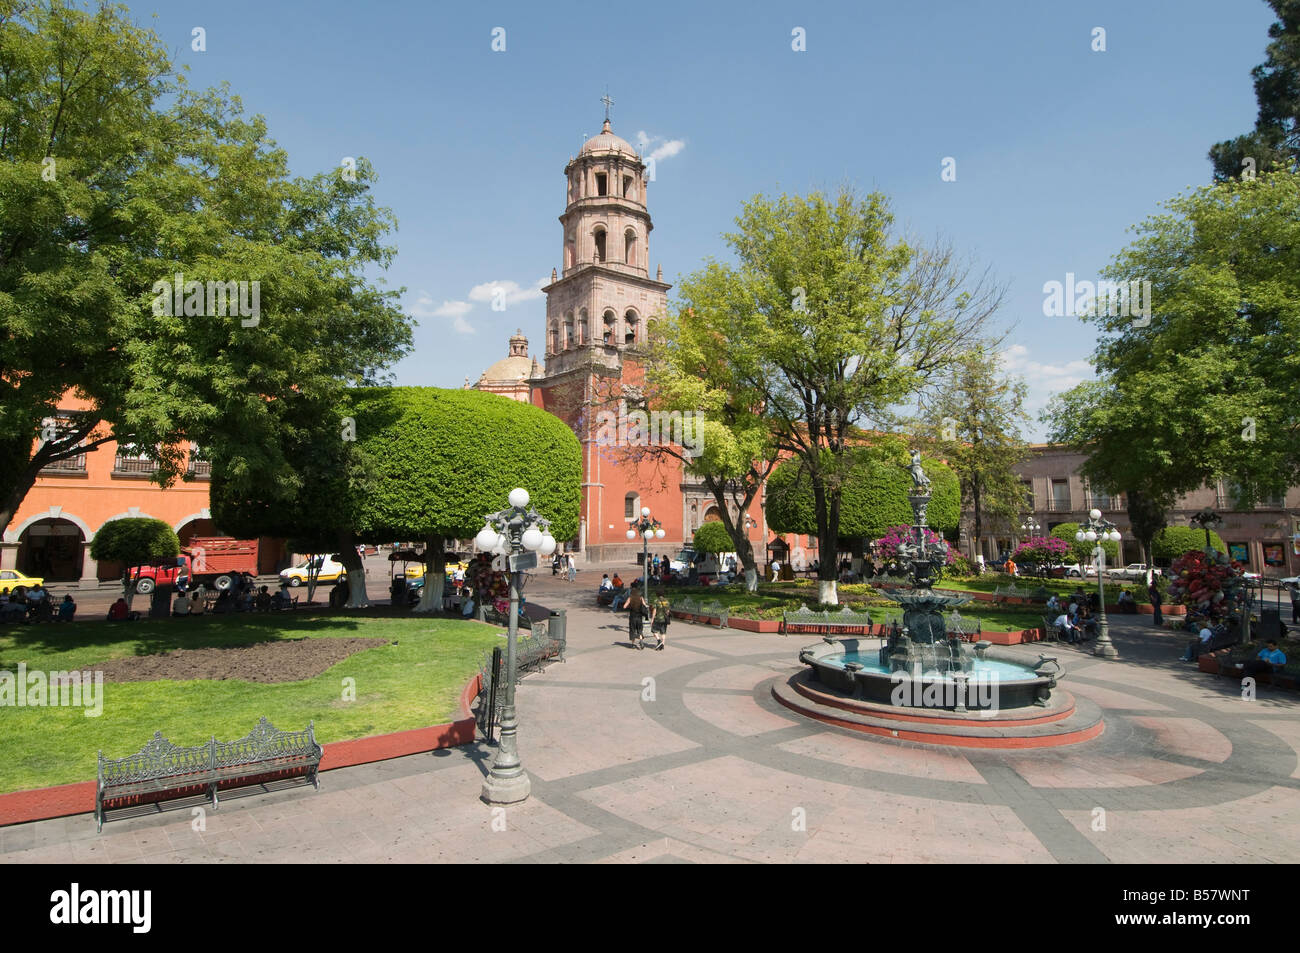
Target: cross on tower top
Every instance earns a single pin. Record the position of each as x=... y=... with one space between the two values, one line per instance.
x=608 y=102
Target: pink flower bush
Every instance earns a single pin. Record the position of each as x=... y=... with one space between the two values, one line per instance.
x=887 y=545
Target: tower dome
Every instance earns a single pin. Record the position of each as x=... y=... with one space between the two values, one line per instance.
x=606 y=143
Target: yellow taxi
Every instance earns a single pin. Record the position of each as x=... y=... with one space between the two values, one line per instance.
x=11 y=579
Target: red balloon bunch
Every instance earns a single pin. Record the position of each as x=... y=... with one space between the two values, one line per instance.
x=1208 y=583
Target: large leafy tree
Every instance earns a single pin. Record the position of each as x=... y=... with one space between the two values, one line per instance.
x=972 y=419
x=1274 y=143
x=114 y=176
x=832 y=323
x=730 y=450
x=1203 y=389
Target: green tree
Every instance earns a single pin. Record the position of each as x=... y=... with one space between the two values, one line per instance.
x=1173 y=541
x=1081 y=553
x=831 y=324
x=134 y=542
x=729 y=446
x=115 y=176
x=873 y=498
x=712 y=537
x=972 y=420
x=1201 y=389
x=1274 y=143
x=415 y=463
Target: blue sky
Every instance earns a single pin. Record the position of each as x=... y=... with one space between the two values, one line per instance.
x=1058 y=149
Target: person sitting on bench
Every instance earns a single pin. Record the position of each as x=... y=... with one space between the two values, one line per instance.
x=1069 y=631
x=1270 y=659
x=1198 y=644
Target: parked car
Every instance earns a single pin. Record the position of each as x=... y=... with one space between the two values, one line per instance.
x=11 y=578
x=1079 y=571
x=330 y=570
x=1132 y=571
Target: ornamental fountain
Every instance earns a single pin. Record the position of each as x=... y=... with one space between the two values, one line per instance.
x=921 y=682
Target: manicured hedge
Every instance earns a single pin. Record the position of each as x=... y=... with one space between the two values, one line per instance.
x=134 y=541
x=1172 y=541
x=712 y=537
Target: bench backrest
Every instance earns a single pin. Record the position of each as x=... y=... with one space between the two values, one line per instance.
x=265 y=743
x=159 y=758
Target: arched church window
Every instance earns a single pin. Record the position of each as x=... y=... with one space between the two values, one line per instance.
x=629 y=247
x=568 y=330
x=600 y=245
x=630 y=324
x=584 y=331
x=611 y=322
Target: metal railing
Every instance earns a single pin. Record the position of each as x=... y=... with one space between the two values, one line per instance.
x=131 y=464
x=200 y=468
x=75 y=464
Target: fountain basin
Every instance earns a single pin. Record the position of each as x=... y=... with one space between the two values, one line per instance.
x=994 y=680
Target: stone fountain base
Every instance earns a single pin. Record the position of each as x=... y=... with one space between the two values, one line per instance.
x=1065 y=720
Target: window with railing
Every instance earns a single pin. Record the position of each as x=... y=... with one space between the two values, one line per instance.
x=75 y=464
x=199 y=467
x=134 y=460
x=1059 y=502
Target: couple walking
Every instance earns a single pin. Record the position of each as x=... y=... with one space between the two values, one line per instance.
x=638 y=610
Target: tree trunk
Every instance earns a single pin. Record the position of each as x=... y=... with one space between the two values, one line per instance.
x=351 y=560
x=435 y=568
x=978 y=543
x=828 y=521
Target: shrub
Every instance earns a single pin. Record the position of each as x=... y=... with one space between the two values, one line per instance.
x=712 y=537
x=1081 y=553
x=1172 y=541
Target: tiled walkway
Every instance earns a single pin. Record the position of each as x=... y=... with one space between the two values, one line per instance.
x=683 y=756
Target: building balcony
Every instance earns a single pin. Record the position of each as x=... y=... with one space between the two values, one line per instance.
x=1059 y=506
x=199 y=470
x=133 y=466
x=75 y=464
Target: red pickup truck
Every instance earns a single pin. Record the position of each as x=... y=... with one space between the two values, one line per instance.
x=210 y=561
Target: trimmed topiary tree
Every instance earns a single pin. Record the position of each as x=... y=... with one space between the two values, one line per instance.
x=1081 y=553
x=1173 y=541
x=712 y=537
x=436 y=460
x=134 y=541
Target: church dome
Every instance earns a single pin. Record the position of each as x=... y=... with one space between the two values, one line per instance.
x=510 y=370
x=607 y=142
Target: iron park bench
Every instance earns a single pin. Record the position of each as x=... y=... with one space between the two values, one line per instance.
x=161 y=767
x=844 y=622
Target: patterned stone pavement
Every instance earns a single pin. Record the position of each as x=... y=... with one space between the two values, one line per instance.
x=682 y=756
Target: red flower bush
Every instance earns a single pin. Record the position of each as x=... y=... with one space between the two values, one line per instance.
x=1209 y=585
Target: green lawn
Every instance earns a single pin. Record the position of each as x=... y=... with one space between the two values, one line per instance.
x=772 y=599
x=412 y=683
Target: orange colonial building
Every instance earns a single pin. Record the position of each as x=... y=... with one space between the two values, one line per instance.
x=51 y=533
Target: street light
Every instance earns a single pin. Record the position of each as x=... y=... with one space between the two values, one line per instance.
x=518 y=533
x=647 y=529
x=1205 y=519
x=1098 y=530
x=1030 y=525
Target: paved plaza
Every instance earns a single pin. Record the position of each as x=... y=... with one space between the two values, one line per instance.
x=683 y=756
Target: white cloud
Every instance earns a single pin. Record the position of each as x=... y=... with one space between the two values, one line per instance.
x=456 y=310
x=513 y=294
x=1042 y=380
x=664 y=149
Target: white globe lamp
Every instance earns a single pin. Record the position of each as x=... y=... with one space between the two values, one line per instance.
x=519 y=497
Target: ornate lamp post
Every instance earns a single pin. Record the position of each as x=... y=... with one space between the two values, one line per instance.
x=1205 y=519
x=647 y=529
x=515 y=534
x=1098 y=530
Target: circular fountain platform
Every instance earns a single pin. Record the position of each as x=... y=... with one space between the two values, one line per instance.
x=1064 y=720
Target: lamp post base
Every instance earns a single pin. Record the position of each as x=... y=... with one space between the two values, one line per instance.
x=506 y=790
x=1105 y=650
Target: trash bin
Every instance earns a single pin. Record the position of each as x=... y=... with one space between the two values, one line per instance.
x=160 y=605
x=1270 y=624
x=558 y=628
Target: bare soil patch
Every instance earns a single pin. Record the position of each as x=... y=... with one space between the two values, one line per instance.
x=286 y=660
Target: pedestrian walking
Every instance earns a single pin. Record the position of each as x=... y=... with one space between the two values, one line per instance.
x=1295 y=603
x=573 y=569
x=1154 y=595
x=661 y=612
x=637 y=610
